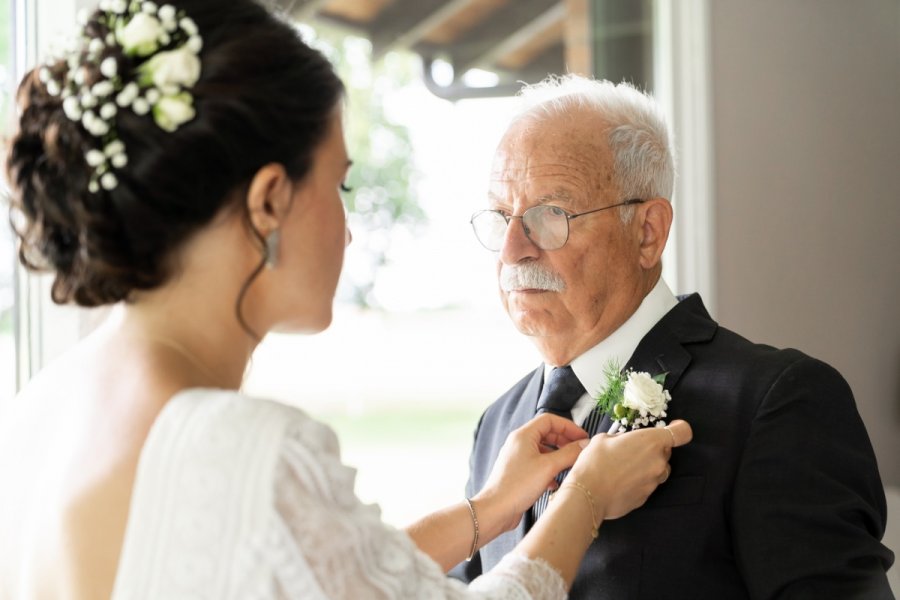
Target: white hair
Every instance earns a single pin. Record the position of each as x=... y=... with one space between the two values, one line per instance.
x=636 y=130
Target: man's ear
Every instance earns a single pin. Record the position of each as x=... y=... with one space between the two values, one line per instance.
x=655 y=217
x=269 y=198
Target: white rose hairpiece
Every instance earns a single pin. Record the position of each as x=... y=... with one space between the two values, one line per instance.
x=633 y=399
x=148 y=61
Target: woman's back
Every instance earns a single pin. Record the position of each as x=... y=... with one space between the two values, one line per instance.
x=69 y=446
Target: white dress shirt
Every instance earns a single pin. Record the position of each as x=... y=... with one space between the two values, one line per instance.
x=618 y=346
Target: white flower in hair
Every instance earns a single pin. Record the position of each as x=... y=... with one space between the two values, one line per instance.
x=140 y=106
x=103 y=88
x=109 y=67
x=119 y=160
x=172 y=111
x=108 y=111
x=88 y=100
x=140 y=36
x=95 y=158
x=171 y=69
x=195 y=44
x=114 y=147
x=167 y=14
x=188 y=25
x=128 y=94
x=108 y=181
x=161 y=82
x=95 y=46
x=72 y=108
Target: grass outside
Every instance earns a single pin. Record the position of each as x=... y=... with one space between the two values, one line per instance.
x=409 y=461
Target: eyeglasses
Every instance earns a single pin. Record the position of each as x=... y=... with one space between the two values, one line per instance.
x=547 y=226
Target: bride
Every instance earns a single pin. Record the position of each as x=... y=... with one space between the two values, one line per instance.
x=183 y=162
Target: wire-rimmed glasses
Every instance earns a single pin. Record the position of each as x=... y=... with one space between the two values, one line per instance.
x=547 y=226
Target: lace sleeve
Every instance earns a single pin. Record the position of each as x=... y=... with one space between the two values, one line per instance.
x=328 y=541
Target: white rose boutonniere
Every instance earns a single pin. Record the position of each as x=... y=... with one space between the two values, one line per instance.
x=140 y=35
x=634 y=399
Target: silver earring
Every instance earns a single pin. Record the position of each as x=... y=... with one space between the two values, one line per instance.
x=272 y=248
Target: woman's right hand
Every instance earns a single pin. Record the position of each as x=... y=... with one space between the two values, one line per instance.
x=528 y=462
x=622 y=470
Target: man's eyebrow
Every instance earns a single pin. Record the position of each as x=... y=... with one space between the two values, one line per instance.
x=559 y=195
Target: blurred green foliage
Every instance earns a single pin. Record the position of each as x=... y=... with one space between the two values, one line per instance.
x=383 y=175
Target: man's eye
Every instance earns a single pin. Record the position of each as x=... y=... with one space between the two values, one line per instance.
x=346 y=188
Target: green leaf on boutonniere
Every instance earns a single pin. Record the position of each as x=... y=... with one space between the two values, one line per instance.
x=611 y=398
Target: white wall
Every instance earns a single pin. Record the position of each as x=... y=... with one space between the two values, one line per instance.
x=806 y=134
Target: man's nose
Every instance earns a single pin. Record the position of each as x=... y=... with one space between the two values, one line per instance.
x=516 y=245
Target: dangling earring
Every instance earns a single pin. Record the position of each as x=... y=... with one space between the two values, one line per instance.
x=272 y=248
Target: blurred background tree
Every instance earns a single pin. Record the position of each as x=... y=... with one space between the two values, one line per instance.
x=382 y=179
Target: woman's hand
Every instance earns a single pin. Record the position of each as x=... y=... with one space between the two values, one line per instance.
x=528 y=463
x=622 y=470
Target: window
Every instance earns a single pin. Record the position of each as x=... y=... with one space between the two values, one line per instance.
x=8 y=361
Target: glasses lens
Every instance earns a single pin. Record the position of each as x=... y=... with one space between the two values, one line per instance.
x=547 y=226
x=490 y=228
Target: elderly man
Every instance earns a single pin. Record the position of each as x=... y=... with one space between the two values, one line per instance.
x=779 y=496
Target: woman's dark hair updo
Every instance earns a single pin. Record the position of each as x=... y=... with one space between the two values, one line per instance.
x=263 y=96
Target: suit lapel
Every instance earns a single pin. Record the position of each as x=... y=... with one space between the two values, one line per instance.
x=663 y=350
x=523 y=412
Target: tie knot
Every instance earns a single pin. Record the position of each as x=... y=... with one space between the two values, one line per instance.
x=561 y=391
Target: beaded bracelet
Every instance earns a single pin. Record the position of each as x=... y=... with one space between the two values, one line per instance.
x=475 y=525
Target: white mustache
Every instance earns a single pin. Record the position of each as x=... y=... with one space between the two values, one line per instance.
x=529 y=276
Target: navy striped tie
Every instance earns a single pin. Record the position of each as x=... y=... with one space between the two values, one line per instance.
x=561 y=392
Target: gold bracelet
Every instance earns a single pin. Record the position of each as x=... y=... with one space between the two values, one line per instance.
x=595 y=530
x=475 y=525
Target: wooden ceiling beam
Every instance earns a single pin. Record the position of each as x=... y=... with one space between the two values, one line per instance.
x=404 y=23
x=508 y=25
x=517 y=50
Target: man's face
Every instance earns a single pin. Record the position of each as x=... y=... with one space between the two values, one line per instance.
x=565 y=161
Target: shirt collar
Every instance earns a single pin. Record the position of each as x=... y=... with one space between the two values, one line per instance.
x=621 y=344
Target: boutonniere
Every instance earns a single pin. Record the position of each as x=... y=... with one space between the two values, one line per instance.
x=633 y=399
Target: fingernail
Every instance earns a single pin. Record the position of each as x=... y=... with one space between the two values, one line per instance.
x=584 y=443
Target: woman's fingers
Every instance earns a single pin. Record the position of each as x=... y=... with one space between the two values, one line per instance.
x=565 y=457
x=680 y=431
x=554 y=429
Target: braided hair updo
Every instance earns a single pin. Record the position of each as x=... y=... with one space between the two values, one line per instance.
x=262 y=96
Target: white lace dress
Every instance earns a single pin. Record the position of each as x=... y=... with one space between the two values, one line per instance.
x=237 y=497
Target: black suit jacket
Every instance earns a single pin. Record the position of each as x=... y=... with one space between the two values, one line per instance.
x=778 y=495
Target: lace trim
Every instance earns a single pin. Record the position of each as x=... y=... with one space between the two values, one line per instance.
x=352 y=554
x=532 y=578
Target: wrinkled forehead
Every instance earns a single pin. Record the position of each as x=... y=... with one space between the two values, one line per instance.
x=558 y=156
